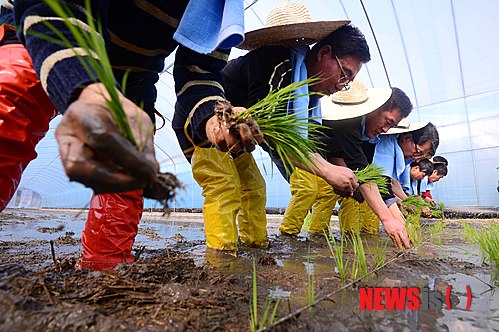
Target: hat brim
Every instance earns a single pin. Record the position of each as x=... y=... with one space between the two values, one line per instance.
x=401 y=130
x=290 y=34
x=376 y=97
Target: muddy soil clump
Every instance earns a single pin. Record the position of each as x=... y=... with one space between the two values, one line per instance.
x=163 y=189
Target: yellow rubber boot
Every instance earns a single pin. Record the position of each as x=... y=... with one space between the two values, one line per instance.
x=304 y=190
x=369 y=221
x=252 y=219
x=349 y=216
x=323 y=207
x=216 y=173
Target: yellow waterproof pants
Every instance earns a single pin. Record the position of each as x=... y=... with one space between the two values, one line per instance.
x=306 y=188
x=226 y=197
x=355 y=217
x=252 y=218
x=323 y=207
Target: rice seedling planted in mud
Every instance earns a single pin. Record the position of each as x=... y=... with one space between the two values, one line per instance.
x=413 y=228
x=255 y=323
x=379 y=253
x=489 y=244
x=310 y=291
x=488 y=239
x=359 y=261
x=337 y=252
x=470 y=233
x=436 y=229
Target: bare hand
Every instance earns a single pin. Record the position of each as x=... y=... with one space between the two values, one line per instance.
x=94 y=152
x=431 y=201
x=426 y=211
x=341 y=178
x=244 y=138
x=397 y=233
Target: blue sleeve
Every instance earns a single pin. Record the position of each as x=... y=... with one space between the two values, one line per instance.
x=384 y=155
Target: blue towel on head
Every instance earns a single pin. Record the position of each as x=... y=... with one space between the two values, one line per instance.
x=210 y=24
x=304 y=106
x=390 y=156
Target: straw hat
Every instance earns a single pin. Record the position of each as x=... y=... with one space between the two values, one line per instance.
x=405 y=127
x=290 y=24
x=354 y=102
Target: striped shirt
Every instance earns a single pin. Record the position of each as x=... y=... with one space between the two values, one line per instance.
x=139 y=36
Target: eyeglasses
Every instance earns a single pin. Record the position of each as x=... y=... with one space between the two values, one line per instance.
x=344 y=80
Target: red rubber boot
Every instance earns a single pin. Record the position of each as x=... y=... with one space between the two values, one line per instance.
x=25 y=113
x=110 y=230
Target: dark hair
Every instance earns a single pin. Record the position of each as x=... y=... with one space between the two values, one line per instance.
x=440 y=160
x=440 y=168
x=428 y=133
x=425 y=166
x=346 y=41
x=400 y=101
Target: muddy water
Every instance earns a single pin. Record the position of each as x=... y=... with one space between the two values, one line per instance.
x=285 y=271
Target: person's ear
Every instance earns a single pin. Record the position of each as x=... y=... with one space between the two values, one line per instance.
x=325 y=51
x=407 y=137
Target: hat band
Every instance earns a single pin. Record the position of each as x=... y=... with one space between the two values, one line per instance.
x=350 y=103
x=401 y=127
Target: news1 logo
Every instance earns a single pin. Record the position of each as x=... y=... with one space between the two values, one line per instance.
x=410 y=298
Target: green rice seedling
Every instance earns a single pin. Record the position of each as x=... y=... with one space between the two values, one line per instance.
x=411 y=205
x=255 y=323
x=379 y=253
x=415 y=201
x=372 y=174
x=413 y=228
x=436 y=229
x=284 y=133
x=489 y=244
x=310 y=292
x=359 y=261
x=438 y=210
x=470 y=233
x=307 y=222
x=337 y=252
x=487 y=238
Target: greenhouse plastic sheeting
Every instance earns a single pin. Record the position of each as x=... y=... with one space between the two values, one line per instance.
x=443 y=54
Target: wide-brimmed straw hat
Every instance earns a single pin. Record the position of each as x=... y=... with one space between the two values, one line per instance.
x=354 y=102
x=290 y=24
x=405 y=127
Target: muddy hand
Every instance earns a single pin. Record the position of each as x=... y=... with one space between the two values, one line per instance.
x=397 y=233
x=431 y=201
x=243 y=139
x=94 y=152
